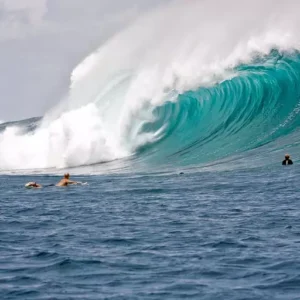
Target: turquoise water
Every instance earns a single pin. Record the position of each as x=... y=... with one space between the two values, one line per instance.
x=259 y=105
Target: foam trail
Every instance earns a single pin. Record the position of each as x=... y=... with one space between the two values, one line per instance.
x=113 y=92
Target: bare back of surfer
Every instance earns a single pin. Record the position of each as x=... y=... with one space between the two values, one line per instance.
x=66 y=181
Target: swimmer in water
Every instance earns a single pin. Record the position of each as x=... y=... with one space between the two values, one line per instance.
x=33 y=185
x=66 y=181
x=287 y=160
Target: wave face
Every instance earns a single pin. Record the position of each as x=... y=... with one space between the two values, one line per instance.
x=259 y=105
x=184 y=85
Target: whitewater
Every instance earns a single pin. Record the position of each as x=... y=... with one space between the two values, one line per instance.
x=192 y=83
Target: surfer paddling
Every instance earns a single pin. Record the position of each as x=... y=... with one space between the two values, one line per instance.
x=33 y=185
x=66 y=181
x=63 y=182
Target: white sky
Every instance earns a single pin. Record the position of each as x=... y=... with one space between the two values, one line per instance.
x=41 y=41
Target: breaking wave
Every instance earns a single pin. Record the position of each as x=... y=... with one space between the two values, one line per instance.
x=184 y=85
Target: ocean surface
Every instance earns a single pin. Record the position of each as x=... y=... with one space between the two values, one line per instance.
x=179 y=123
x=199 y=235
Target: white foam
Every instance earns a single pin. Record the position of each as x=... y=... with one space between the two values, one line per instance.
x=182 y=46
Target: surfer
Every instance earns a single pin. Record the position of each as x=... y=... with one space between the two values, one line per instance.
x=287 y=160
x=33 y=185
x=66 y=181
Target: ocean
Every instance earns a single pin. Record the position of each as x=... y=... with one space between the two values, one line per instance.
x=179 y=124
x=199 y=235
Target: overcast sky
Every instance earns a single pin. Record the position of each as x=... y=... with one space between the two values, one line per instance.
x=41 y=41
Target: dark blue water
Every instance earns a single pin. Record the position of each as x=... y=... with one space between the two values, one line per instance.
x=219 y=235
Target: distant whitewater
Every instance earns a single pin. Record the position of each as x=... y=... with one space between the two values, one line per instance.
x=185 y=85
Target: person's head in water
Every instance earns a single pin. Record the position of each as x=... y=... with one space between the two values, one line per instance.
x=66 y=175
x=287 y=160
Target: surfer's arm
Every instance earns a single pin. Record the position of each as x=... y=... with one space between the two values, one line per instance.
x=79 y=182
x=72 y=182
